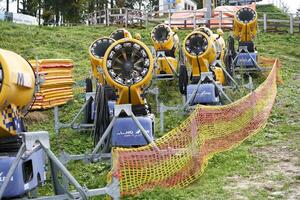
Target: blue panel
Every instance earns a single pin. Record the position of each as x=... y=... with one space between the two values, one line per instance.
x=126 y=133
x=16 y=186
x=244 y=60
x=206 y=94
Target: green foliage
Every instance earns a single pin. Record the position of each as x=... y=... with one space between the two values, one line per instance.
x=272 y=12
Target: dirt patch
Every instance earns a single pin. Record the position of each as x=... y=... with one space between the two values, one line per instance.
x=35 y=117
x=279 y=178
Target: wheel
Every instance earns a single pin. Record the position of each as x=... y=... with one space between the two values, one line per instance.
x=183 y=79
x=88 y=109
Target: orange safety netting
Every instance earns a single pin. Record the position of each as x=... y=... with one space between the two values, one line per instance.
x=184 y=152
x=58 y=81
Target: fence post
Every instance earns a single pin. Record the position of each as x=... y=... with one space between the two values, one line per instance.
x=169 y=16
x=265 y=22
x=145 y=13
x=220 y=19
x=194 y=20
x=291 y=24
x=126 y=17
x=106 y=17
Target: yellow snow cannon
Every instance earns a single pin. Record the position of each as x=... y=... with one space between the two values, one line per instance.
x=128 y=67
x=217 y=39
x=244 y=31
x=245 y=24
x=96 y=54
x=166 y=43
x=201 y=53
x=17 y=83
x=120 y=34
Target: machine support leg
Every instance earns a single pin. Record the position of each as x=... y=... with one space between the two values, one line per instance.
x=162 y=118
x=104 y=136
x=144 y=132
x=65 y=172
x=12 y=170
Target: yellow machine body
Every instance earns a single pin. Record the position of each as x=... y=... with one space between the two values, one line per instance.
x=17 y=90
x=166 y=65
x=217 y=39
x=245 y=24
x=219 y=75
x=202 y=62
x=120 y=34
x=132 y=93
x=96 y=53
x=165 y=40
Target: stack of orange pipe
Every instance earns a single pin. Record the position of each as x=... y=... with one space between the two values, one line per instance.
x=58 y=81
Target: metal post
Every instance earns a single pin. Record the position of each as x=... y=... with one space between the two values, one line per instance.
x=126 y=17
x=107 y=17
x=170 y=14
x=194 y=20
x=220 y=19
x=265 y=22
x=145 y=13
x=291 y=24
x=161 y=118
x=56 y=119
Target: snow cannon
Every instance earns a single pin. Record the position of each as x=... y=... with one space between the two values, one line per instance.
x=245 y=24
x=244 y=30
x=128 y=66
x=18 y=85
x=17 y=82
x=120 y=34
x=166 y=43
x=217 y=39
x=205 y=78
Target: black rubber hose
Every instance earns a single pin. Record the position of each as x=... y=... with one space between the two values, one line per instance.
x=102 y=118
x=88 y=109
x=183 y=79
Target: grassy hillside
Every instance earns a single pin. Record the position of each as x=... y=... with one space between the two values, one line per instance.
x=248 y=172
x=272 y=12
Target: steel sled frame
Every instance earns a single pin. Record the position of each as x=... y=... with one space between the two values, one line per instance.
x=40 y=140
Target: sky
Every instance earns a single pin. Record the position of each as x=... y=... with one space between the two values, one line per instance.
x=293 y=5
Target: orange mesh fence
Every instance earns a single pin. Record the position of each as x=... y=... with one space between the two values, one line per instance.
x=184 y=152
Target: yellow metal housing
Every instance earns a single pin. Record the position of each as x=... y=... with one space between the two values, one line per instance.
x=199 y=61
x=217 y=40
x=219 y=75
x=128 y=92
x=96 y=53
x=245 y=24
x=201 y=52
x=165 y=40
x=17 y=89
x=167 y=65
x=120 y=34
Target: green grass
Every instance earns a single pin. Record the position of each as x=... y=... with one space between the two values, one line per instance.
x=73 y=42
x=272 y=12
